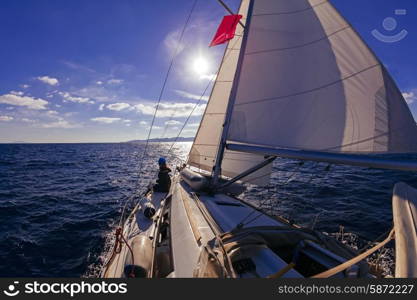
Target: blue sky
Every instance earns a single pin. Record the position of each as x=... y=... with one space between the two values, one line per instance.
x=92 y=70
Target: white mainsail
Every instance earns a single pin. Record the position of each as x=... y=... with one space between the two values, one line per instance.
x=204 y=150
x=309 y=82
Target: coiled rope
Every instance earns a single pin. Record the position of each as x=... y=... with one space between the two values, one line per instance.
x=118 y=243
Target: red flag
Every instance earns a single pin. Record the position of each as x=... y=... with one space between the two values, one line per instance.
x=226 y=30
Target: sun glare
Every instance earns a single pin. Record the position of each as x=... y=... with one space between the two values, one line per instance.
x=200 y=65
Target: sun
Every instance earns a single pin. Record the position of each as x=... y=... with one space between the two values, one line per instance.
x=200 y=65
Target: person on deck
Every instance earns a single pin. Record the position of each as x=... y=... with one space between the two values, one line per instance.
x=164 y=180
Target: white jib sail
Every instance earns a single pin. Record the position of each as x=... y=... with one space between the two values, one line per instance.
x=204 y=150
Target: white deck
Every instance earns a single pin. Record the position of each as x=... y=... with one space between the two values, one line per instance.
x=229 y=212
x=226 y=211
x=186 y=246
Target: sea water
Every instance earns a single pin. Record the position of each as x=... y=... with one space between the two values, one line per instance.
x=60 y=203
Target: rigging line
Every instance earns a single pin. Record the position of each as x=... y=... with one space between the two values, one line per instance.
x=327 y=169
x=320 y=190
x=241 y=223
x=167 y=124
x=230 y=11
x=159 y=100
x=166 y=78
x=286 y=182
x=189 y=116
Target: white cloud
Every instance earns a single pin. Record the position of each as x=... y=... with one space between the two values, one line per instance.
x=26 y=101
x=17 y=93
x=51 y=119
x=118 y=106
x=171 y=42
x=101 y=107
x=114 y=81
x=191 y=96
x=105 y=120
x=52 y=112
x=167 y=109
x=191 y=129
x=99 y=82
x=172 y=122
x=48 y=80
x=145 y=109
x=127 y=122
x=147 y=127
x=410 y=97
x=99 y=93
x=51 y=94
x=25 y=86
x=189 y=132
x=67 y=97
x=78 y=67
x=6 y=118
x=26 y=120
x=59 y=124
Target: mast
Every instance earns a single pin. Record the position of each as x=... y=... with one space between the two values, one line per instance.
x=226 y=125
x=229 y=10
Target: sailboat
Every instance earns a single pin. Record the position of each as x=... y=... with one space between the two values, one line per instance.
x=296 y=81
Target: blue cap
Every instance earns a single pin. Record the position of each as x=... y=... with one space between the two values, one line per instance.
x=162 y=161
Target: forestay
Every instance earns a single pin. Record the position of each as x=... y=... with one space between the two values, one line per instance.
x=206 y=143
x=309 y=82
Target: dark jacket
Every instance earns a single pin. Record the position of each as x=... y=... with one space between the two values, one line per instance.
x=164 y=180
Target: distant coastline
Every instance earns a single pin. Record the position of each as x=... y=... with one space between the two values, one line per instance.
x=161 y=140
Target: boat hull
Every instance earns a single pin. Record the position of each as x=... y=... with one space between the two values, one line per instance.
x=190 y=230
